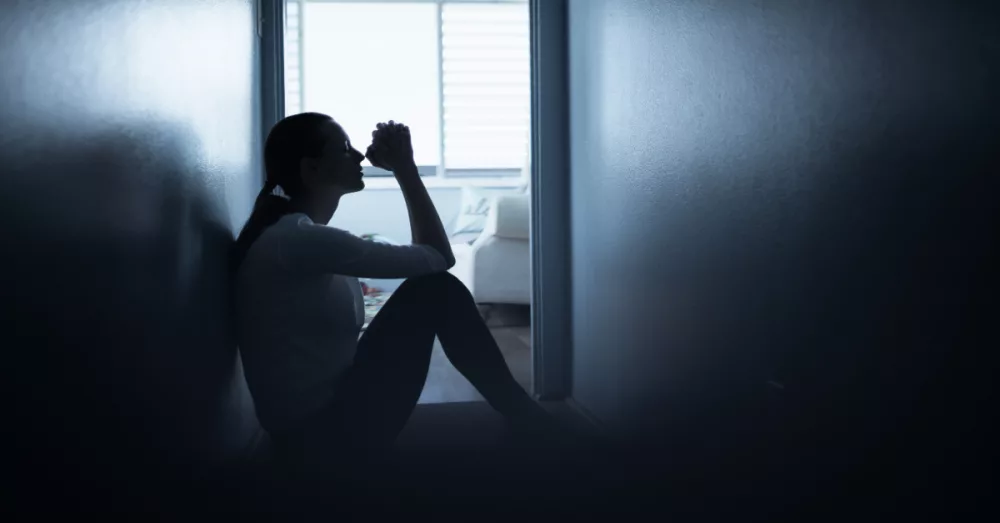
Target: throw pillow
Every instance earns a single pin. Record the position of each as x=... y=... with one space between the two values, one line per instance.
x=472 y=215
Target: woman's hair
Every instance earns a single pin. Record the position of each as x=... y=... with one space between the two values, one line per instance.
x=290 y=140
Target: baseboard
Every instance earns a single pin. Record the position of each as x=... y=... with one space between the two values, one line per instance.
x=505 y=314
x=587 y=416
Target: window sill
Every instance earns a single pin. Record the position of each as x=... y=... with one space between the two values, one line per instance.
x=436 y=182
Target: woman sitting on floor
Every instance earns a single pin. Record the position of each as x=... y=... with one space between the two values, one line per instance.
x=320 y=391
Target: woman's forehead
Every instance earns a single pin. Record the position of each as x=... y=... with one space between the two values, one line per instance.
x=336 y=134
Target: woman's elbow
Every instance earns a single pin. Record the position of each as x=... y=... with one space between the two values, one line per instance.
x=448 y=257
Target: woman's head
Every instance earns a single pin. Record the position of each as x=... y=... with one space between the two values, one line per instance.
x=311 y=158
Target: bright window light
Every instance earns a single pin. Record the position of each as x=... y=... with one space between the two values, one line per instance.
x=458 y=73
x=369 y=62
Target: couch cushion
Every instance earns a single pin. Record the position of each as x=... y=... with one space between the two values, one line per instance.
x=510 y=217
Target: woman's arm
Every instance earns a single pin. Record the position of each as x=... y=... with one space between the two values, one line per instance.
x=392 y=149
x=310 y=248
x=425 y=223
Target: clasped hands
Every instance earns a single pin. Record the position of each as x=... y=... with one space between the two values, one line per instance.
x=391 y=148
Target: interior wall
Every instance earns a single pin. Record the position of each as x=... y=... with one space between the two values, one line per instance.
x=128 y=143
x=780 y=214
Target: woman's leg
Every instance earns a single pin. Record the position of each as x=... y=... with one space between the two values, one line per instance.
x=390 y=369
x=471 y=348
x=380 y=391
x=376 y=397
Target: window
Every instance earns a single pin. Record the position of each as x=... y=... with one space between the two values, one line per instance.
x=456 y=71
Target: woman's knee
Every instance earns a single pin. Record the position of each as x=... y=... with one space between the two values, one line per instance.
x=434 y=284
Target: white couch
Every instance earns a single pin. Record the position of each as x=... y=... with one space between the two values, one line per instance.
x=496 y=267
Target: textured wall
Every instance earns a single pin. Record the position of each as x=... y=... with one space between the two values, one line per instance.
x=789 y=192
x=128 y=137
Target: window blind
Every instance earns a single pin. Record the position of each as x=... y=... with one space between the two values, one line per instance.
x=293 y=55
x=486 y=84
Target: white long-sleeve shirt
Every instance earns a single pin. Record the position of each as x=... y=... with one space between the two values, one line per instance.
x=300 y=309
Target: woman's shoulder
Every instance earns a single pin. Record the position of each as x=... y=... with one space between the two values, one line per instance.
x=293 y=220
x=266 y=250
x=288 y=225
x=299 y=228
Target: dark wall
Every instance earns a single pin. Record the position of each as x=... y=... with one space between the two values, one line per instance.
x=780 y=216
x=128 y=138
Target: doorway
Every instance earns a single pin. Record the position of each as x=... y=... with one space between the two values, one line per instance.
x=459 y=74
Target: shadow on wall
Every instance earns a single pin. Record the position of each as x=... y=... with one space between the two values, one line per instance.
x=118 y=292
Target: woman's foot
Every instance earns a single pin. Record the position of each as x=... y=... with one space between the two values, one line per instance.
x=533 y=426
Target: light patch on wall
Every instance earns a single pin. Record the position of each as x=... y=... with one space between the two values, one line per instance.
x=224 y=59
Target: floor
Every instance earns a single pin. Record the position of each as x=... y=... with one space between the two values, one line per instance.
x=511 y=329
x=456 y=457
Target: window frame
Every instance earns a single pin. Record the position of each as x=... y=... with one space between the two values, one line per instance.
x=511 y=177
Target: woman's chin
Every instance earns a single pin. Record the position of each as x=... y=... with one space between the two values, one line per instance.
x=359 y=186
x=354 y=185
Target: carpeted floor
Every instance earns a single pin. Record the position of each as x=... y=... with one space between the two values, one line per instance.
x=457 y=458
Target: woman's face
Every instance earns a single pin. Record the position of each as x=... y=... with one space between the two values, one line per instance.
x=337 y=171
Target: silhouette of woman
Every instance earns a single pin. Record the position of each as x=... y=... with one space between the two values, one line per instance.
x=320 y=391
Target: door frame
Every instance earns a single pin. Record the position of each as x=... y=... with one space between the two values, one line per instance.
x=270 y=32
x=550 y=247
x=549 y=178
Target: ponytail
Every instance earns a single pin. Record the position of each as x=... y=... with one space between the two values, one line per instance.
x=267 y=210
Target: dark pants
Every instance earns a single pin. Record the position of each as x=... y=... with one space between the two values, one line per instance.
x=379 y=393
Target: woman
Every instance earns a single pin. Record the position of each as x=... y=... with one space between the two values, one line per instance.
x=319 y=390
